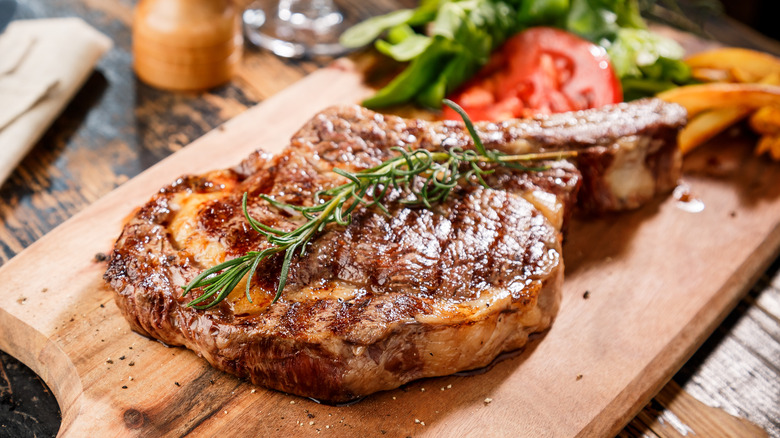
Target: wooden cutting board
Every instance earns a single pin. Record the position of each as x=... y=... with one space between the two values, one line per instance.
x=657 y=280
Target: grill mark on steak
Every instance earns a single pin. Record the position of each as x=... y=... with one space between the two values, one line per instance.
x=595 y=133
x=397 y=253
x=386 y=299
x=349 y=314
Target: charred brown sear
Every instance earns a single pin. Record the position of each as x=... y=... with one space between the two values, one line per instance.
x=391 y=297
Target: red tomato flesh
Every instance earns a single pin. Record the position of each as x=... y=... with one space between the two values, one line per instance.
x=540 y=70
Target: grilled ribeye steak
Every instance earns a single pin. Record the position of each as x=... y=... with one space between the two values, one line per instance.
x=628 y=152
x=369 y=306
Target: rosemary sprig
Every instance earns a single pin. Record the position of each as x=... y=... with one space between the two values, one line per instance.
x=439 y=172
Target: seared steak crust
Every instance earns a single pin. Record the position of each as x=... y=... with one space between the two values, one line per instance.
x=369 y=306
x=628 y=152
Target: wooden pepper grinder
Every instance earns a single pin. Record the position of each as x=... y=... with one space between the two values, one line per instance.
x=186 y=45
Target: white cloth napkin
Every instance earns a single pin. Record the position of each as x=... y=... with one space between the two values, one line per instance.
x=43 y=63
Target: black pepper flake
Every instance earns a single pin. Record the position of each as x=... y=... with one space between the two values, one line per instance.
x=101 y=257
x=310 y=415
x=733 y=214
x=124 y=386
x=383 y=432
x=212 y=382
x=579 y=376
x=586 y=295
x=131 y=364
x=176 y=383
x=109 y=361
x=102 y=306
x=121 y=358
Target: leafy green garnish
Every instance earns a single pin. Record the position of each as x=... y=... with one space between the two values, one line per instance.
x=445 y=42
x=367 y=31
x=460 y=37
x=542 y=12
x=633 y=49
x=647 y=63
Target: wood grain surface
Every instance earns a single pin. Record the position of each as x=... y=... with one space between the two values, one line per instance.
x=647 y=309
x=117 y=127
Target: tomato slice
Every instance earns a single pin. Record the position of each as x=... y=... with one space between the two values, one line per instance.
x=540 y=70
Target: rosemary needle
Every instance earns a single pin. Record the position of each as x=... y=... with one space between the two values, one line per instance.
x=440 y=172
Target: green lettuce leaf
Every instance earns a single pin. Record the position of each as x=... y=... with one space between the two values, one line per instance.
x=446 y=41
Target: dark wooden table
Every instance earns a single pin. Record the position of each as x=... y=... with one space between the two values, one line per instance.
x=116 y=127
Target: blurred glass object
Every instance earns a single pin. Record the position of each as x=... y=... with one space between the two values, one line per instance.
x=295 y=28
